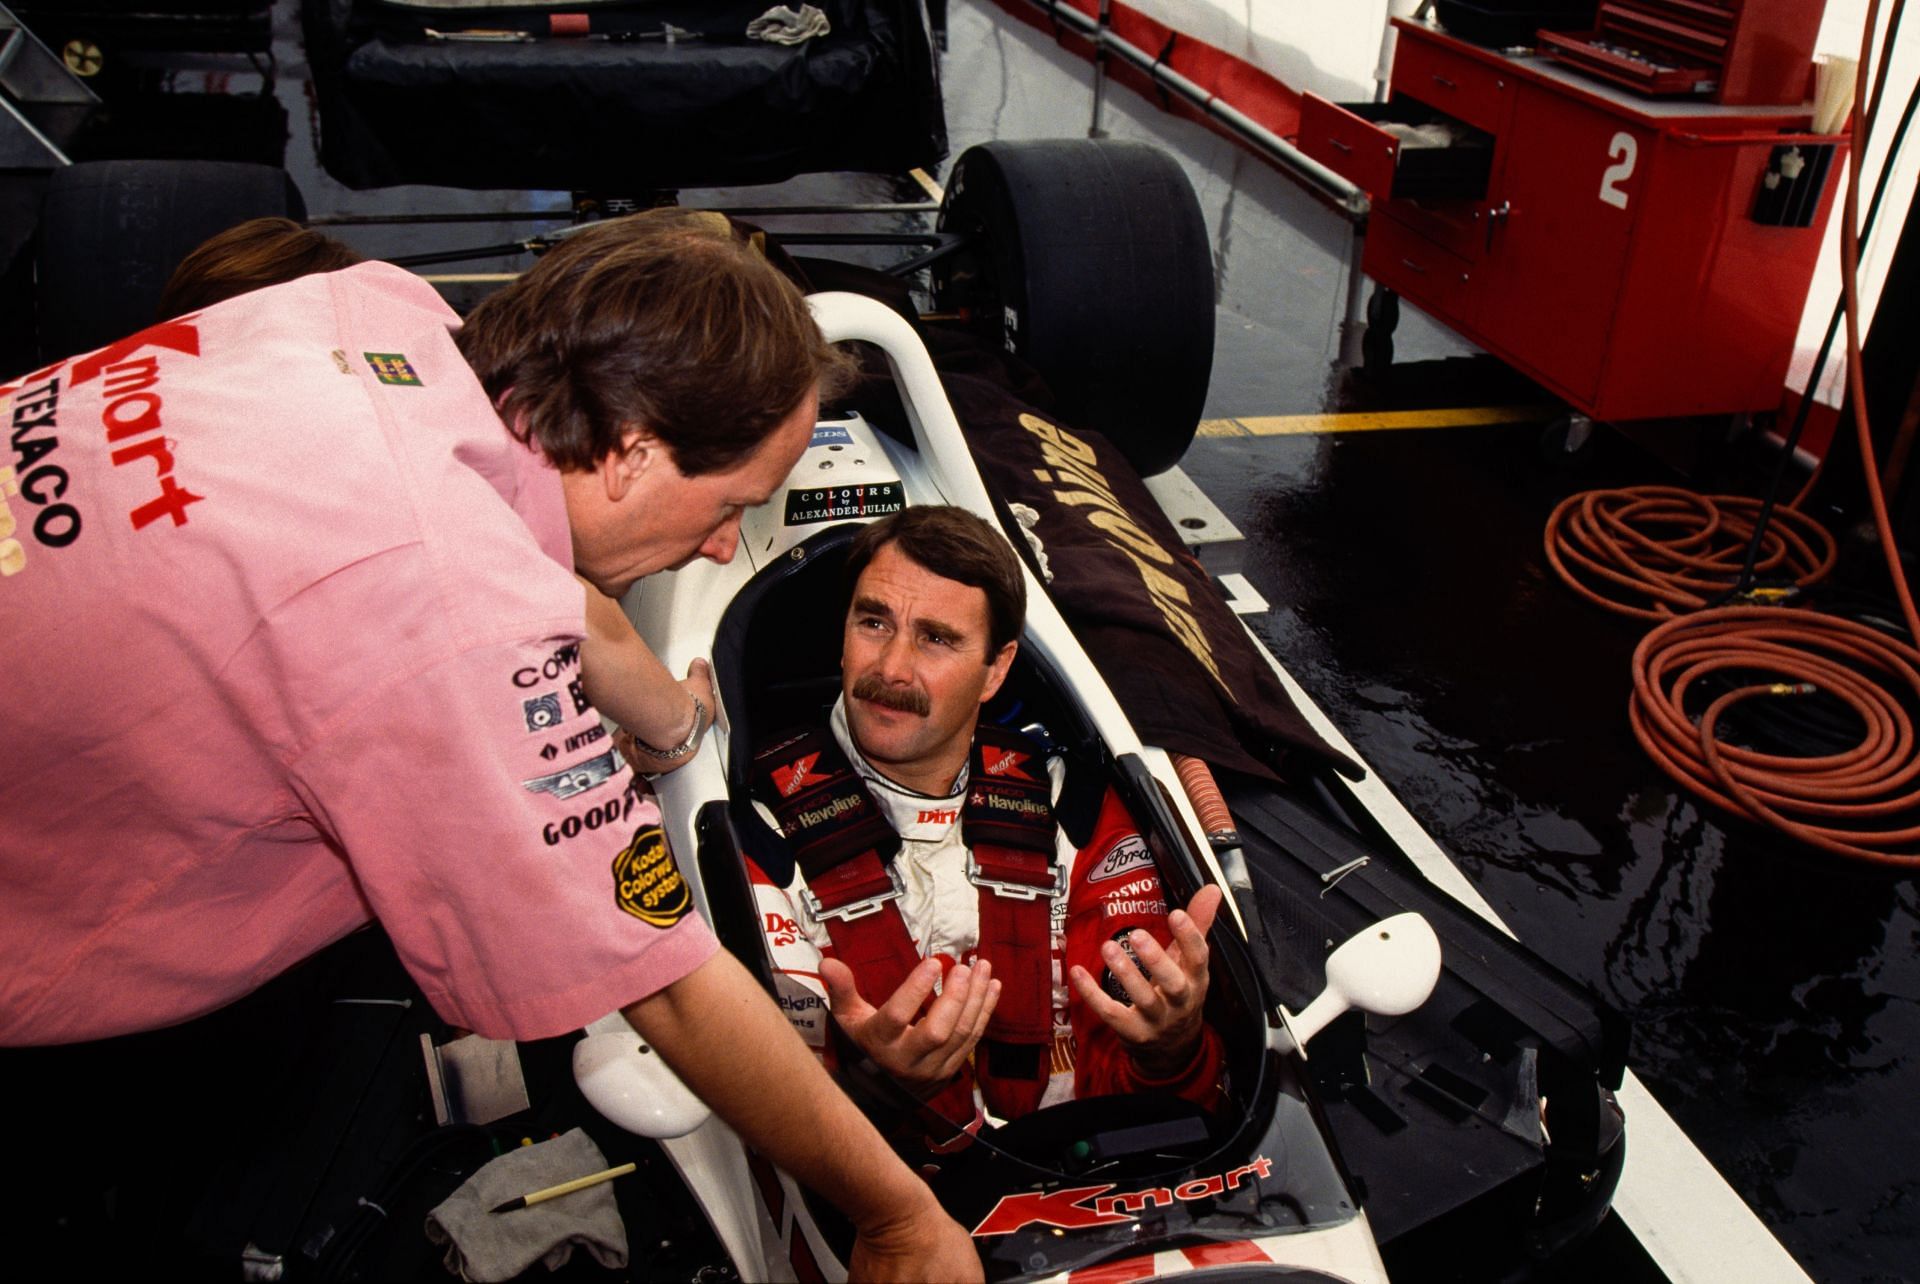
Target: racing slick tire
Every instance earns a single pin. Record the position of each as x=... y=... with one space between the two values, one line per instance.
x=1088 y=259
x=112 y=232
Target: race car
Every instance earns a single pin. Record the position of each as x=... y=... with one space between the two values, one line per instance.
x=1110 y=1188
x=1469 y=1137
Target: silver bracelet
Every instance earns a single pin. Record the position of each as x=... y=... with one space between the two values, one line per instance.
x=686 y=746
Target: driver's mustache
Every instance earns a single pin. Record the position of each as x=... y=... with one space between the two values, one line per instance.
x=900 y=699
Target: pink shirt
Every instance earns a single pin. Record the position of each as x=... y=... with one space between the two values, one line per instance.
x=291 y=639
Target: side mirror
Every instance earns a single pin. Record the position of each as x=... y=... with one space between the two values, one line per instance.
x=631 y=1084
x=1387 y=970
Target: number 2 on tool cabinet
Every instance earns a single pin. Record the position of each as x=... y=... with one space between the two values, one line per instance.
x=1624 y=151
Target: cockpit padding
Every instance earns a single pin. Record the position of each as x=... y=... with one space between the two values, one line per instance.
x=777 y=662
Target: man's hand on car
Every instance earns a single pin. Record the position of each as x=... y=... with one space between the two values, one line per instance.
x=1167 y=986
x=647 y=761
x=920 y=1051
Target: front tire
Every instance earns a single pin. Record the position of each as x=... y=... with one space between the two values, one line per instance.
x=1089 y=260
x=112 y=232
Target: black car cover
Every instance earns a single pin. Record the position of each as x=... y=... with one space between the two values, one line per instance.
x=487 y=96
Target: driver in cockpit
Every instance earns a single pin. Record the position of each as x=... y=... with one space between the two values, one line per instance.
x=979 y=937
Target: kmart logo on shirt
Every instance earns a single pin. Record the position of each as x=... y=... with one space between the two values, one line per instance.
x=393 y=367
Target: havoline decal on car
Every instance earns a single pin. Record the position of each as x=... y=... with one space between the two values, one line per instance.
x=838 y=503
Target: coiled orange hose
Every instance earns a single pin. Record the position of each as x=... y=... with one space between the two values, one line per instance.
x=1830 y=801
x=1860 y=803
x=1654 y=552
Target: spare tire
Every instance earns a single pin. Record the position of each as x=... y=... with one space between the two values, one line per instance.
x=112 y=232
x=1089 y=260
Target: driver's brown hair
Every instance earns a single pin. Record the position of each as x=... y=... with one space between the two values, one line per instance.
x=956 y=545
x=671 y=321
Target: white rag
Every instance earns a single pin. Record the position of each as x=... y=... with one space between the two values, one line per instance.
x=784 y=26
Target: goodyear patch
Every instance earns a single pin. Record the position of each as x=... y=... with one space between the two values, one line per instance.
x=646 y=882
x=393 y=368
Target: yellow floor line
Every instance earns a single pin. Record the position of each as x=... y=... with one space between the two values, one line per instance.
x=1372 y=421
x=928 y=184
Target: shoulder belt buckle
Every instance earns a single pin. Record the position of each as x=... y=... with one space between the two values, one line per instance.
x=1016 y=891
x=854 y=909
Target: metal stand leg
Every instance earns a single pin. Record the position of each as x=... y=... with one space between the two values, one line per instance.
x=1353 y=327
x=1096 y=129
x=1579 y=432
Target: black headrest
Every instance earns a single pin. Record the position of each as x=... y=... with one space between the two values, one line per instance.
x=777 y=651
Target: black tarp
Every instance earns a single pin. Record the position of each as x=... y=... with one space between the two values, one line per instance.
x=610 y=112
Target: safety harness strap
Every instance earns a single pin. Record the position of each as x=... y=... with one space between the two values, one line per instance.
x=1008 y=827
x=844 y=845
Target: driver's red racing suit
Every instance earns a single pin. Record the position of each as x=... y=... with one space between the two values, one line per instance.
x=1112 y=889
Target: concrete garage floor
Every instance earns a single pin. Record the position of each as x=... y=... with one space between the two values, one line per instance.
x=1776 y=998
x=1775 y=995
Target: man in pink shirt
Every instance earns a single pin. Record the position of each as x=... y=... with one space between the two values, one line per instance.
x=288 y=600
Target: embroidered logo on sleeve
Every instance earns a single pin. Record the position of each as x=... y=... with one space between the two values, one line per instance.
x=393 y=368
x=1125 y=856
x=646 y=882
x=542 y=711
x=578 y=778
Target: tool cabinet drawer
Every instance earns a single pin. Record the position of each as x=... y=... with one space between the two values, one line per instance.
x=1457 y=85
x=1434 y=279
x=1398 y=148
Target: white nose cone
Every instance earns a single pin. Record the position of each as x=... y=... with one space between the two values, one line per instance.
x=631 y=1084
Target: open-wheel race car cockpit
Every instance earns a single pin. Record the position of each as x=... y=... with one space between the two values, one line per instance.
x=1142 y=1184
x=1120 y=1173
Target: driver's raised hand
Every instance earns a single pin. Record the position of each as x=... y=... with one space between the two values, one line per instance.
x=1168 y=987
x=921 y=1051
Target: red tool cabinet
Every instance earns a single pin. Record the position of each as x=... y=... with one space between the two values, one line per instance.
x=1639 y=258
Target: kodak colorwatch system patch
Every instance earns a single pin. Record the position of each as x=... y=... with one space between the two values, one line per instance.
x=393 y=368
x=646 y=882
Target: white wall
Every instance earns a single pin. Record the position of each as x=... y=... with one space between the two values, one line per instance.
x=1840 y=34
x=1330 y=47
